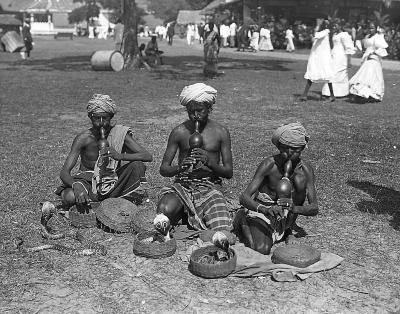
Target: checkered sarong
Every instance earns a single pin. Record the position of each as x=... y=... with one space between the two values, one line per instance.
x=205 y=206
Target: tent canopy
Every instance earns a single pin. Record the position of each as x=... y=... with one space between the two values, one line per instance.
x=210 y=8
x=9 y=19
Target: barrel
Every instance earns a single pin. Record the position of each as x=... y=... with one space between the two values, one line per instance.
x=107 y=60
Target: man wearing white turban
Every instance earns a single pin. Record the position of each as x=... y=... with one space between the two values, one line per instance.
x=265 y=217
x=125 y=170
x=195 y=191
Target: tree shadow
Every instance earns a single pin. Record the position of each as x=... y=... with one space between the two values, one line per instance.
x=385 y=200
x=191 y=67
x=68 y=63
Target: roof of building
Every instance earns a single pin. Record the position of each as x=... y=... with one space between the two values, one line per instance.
x=9 y=19
x=188 y=16
x=39 y=5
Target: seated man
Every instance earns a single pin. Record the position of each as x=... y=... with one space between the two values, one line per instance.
x=199 y=170
x=152 y=51
x=263 y=221
x=125 y=170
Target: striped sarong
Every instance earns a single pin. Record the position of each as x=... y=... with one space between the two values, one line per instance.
x=205 y=206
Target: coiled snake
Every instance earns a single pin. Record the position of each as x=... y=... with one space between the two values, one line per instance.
x=89 y=247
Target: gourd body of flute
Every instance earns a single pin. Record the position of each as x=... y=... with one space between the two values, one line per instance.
x=196 y=140
x=284 y=186
x=101 y=144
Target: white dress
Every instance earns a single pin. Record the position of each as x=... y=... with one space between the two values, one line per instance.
x=265 y=40
x=289 y=36
x=320 y=63
x=255 y=37
x=368 y=81
x=343 y=47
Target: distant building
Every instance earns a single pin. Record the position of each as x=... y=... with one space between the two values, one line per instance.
x=49 y=16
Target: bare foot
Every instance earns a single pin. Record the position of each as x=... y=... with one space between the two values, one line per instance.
x=303 y=98
x=332 y=98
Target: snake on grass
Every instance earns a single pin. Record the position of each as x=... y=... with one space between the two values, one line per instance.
x=88 y=247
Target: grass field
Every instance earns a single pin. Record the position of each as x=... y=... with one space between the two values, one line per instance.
x=354 y=149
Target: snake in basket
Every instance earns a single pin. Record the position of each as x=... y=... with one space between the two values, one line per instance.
x=88 y=247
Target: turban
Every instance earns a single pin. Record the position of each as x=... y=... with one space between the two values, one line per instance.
x=198 y=92
x=101 y=103
x=293 y=134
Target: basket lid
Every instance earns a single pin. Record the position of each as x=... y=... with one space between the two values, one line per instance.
x=143 y=219
x=296 y=255
x=116 y=213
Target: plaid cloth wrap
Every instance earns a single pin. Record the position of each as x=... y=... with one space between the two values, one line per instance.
x=205 y=206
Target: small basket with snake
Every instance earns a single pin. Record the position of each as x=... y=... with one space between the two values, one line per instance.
x=116 y=214
x=204 y=262
x=151 y=244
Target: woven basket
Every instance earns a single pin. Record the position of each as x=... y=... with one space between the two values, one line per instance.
x=218 y=270
x=206 y=236
x=83 y=220
x=153 y=249
x=143 y=220
x=116 y=214
x=296 y=255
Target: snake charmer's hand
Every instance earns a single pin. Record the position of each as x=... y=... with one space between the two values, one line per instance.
x=81 y=195
x=186 y=163
x=286 y=202
x=110 y=152
x=274 y=210
x=200 y=155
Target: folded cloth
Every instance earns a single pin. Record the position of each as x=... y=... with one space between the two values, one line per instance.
x=250 y=263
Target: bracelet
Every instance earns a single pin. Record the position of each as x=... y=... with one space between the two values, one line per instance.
x=257 y=207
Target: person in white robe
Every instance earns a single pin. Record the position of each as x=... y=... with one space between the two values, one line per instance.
x=368 y=83
x=343 y=49
x=265 y=39
x=289 y=38
x=320 y=64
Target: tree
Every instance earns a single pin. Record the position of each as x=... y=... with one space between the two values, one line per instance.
x=198 y=4
x=86 y=12
x=130 y=43
x=167 y=9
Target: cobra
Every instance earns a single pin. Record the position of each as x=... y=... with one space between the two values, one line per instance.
x=88 y=247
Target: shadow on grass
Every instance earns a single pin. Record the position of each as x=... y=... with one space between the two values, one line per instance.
x=69 y=63
x=386 y=200
x=191 y=67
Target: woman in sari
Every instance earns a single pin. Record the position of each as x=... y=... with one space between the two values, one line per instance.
x=211 y=50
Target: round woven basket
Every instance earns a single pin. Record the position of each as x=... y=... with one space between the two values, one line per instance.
x=152 y=249
x=142 y=221
x=206 y=236
x=219 y=270
x=116 y=214
x=296 y=255
x=83 y=220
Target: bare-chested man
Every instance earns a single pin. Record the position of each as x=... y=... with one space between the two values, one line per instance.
x=198 y=174
x=263 y=221
x=125 y=169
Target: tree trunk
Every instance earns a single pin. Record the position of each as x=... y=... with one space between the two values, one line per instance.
x=130 y=49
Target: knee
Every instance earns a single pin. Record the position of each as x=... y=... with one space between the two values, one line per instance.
x=263 y=248
x=138 y=165
x=68 y=197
